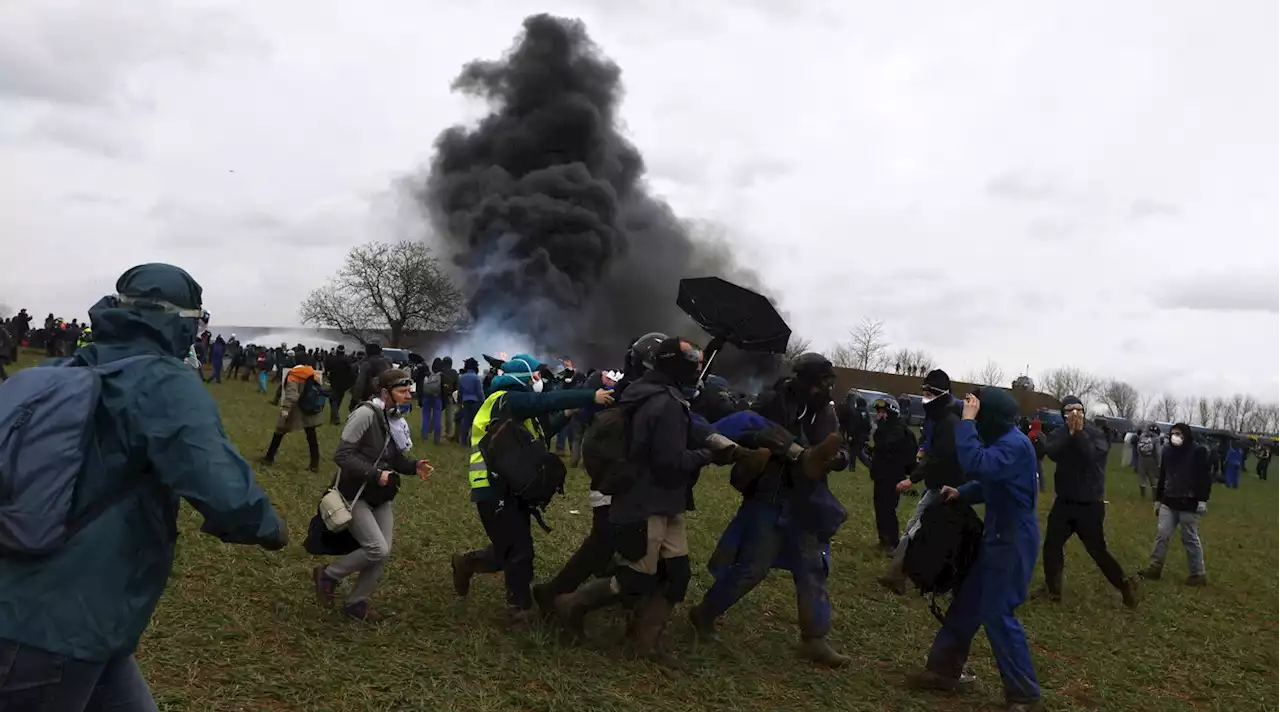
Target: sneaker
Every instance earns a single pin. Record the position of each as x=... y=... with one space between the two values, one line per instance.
x=326 y=586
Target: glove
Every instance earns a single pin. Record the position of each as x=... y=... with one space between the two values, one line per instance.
x=280 y=542
x=1202 y=507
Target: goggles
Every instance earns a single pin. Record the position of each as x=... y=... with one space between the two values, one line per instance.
x=402 y=383
x=161 y=305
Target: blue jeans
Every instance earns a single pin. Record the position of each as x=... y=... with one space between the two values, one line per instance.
x=432 y=418
x=33 y=679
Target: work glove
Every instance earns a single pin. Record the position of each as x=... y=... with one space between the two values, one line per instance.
x=1202 y=507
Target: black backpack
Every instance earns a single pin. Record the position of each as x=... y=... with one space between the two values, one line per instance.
x=943 y=550
x=521 y=466
x=605 y=448
x=313 y=398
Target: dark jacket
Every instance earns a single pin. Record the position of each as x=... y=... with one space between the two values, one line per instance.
x=470 y=387
x=1082 y=462
x=1184 y=477
x=664 y=465
x=448 y=383
x=364 y=451
x=365 y=386
x=940 y=466
x=338 y=368
x=894 y=450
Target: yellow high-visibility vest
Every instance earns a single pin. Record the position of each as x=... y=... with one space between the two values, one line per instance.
x=478 y=473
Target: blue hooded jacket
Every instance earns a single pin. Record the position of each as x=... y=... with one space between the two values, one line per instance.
x=156 y=421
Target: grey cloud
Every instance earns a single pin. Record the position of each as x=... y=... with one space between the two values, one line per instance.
x=1029 y=187
x=1220 y=293
x=1052 y=228
x=185 y=224
x=1144 y=208
x=103 y=138
x=91 y=198
x=83 y=55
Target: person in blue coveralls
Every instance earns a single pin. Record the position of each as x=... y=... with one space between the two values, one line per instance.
x=1001 y=465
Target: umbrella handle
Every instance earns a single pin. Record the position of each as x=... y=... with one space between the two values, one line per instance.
x=713 y=348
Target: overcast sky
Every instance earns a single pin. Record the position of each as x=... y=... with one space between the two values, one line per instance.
x=1041 y=183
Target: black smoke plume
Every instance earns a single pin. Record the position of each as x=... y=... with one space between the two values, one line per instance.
x=545 y=208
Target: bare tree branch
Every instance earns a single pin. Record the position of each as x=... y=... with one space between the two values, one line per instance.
x=798 y=346
x=1167 y=408
x=990 y=375
x=867 y=346
x=1120 y=398
x=1204 y=412
x=841 y=356
x=392 y=287
x=1068 y=381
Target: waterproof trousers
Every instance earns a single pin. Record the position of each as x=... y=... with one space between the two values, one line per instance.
x=988 y=598
x=770 y=539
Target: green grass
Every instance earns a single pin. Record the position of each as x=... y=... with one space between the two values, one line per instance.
x=239 y=629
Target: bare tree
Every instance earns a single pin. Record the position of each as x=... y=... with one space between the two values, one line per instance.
x=911 y=362
x=1068 y=381
x=1187 y=410
x=1269 y=418
x=841 y=356
x=1120 y=398
x=1231 y=411
x=1143 y=408
x=1204 y=412
x=867 y=345
x=797 y=346
x=1167 y=408
x=391 y=287
x=1248 y=404
x=1216 y=411
x=989 y=375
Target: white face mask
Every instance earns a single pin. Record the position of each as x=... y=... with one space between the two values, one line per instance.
x=1176 y=440
x=537 y=386
x=928 y=398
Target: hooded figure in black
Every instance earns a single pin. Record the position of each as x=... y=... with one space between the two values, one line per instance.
x=788 y=514
x=1182 y=497
x=1079 y=484
x=892 y=456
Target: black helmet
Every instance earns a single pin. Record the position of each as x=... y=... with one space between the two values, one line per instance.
x=644 y=351
x=813 y=367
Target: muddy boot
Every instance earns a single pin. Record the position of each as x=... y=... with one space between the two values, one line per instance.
x=651 y=619
x=363 y=612
x=572 y=609
x=1197 y=580
x=748 y=464
x=893 y=582
x=704 y=626
x=462 y=573
x=1053 y=588
x=936 y=682
x=814 y=461
x=269 y=459
x=820 y=652
x=1151 y=573
x=1129 y=593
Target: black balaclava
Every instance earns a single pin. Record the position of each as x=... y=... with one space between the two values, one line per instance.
x=997 y=414
x=813 y=380
x=680 y=361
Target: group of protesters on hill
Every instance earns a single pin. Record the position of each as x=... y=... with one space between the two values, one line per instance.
x=71 y=616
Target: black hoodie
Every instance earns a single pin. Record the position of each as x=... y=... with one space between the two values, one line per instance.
x=1184 y=474
x=941 y=466
x=1082 y=462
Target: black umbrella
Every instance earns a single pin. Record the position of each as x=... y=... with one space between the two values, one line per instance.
x=494 y=362
x=734 y=314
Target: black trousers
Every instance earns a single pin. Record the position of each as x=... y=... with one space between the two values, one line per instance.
x=594 y=556
x=1262 y=468
x=335 y=405
x=1084 y=519
x=510 y=549
x=884 y=502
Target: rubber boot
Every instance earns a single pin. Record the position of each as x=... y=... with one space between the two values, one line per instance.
x=814 y=461
x=313 y=448
x=572 y=608
x=651 y=619
x=704 y=626
x=463 y=570
x=272 y=449
x=820 y=652
x=1129 y=593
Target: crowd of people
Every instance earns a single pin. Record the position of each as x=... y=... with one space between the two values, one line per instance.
x=644 y=433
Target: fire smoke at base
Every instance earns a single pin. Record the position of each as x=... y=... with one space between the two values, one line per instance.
x=545 y=211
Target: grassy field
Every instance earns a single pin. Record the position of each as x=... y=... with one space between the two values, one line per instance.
x=239 y=629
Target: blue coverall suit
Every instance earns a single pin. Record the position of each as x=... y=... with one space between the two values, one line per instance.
x=1003 y=475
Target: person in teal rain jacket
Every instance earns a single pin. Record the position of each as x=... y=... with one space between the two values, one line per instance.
x=69 y=623
x=1001 y=464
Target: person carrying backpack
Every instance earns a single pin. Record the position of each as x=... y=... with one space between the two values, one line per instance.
x=516 y=399
x=1000 y=463
x=71 y=616
x=1148 y=464
x=432 y=400
x=302 y=405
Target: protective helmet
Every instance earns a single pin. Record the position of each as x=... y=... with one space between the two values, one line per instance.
x=644 y=351
x=888 y=404
x=813 y=367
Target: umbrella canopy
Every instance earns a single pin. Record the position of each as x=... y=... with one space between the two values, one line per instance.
x=494 y=361
x=734 y=314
